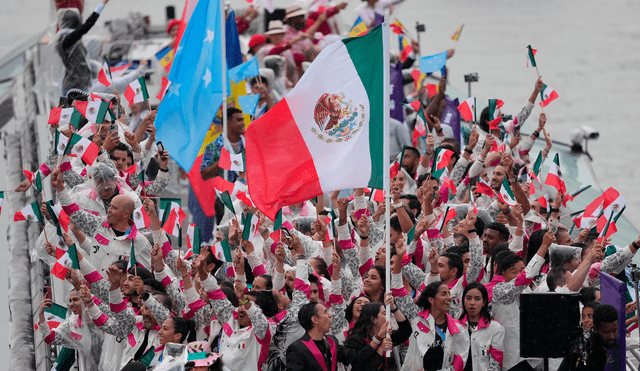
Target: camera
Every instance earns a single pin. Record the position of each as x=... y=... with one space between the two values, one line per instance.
x=589 y=133
x=472 y=77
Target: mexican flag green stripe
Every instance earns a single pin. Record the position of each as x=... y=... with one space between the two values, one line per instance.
x=366 y=54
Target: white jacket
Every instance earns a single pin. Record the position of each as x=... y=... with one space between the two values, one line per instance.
x=486 y=345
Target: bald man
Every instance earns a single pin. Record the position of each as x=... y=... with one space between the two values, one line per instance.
x=111 y=237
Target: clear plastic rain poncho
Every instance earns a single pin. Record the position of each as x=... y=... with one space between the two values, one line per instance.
x=559 y=255
x=101 y=178
x=80 y=333
x=60 y=69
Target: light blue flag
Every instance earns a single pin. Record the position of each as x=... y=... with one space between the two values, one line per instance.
x=433 y=63
x=195 y=95
x=248 y=103
x=244 y=71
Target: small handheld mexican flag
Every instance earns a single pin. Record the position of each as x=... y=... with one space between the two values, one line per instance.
x=331 y=226
x=30 y=213
x=531 y=60
x=61 y=143
x=249 y=226
x=448 y=182
x=132 y=257
x=1 y=200
x=136 y=169
x=468 y=109
x=547 y=95
x=448 y=215
x=440 y=162
x=494 y=113
x=58 y=216
x=54 y=315
x=173 y=217
x=245 y=198
x=571 y=197
x=136 y=91
x=277 y=222
x=140 y=218
x=226 y=200
x=483 y=188
x=66 y=260
x=232 y=162
x=397 y=164
x=94 y=111
x=412 y=233
x=34 y=179
x=104 y=77
x=506 y=194
x=166 y=84
x=554 y=178
x=223 y=251
x=420 y=127
x=64 y=116
x=83 y=148
x=193 y=240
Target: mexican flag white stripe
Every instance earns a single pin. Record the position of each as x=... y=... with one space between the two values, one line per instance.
x=94 y=111
x=136 y=91
x=553 y=177
x=30 y=213
x=326 y=134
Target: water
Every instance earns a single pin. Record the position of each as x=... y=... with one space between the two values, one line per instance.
x=587 y=52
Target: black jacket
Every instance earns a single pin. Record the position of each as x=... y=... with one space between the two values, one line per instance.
x=367 y=359
x=300 y=358
x=588 y=353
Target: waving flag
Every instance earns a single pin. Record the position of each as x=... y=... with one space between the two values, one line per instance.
x=166 y=84
x=1 y=200
x=136 y=169
x=193 y=240
x=165 y=57
x=66 y=260
x=136 y=92
x=83 y=148
x=94 y=111
x=195 y=95
x=468 y=109
x=531 y=60
x=420 y=128
x=359 y=28
x=440 y=162
x=433 y=63
x=456 y=35
x=405 y=47
x=506 y=194
x=447 y=216
x=245 y=70
x=547 y=95
x=64 y=116
x=140 y=218
x=249 y=103
x=337 y=142
x=30 y=213
x=54 y=315
x=249 y=226
x=34 y=179
x=448 y=182
x=494 y=113
x=222 y=251
x=553 y=177
x=104 y=76
x=571 y=197
x=58 y=215
x=225 y=197
x=397 y=27
x=484 y=188
x=418 y=78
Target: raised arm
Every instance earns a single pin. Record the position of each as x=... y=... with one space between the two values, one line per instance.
x=87 y=222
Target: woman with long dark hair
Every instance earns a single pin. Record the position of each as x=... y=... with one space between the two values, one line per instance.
x=486 y=336
x=367 y=339
x=440 y=342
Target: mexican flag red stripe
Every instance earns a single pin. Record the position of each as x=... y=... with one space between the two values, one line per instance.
x=554 y=178
x=332 y=121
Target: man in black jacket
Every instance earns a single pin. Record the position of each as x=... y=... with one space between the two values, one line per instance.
x=315 y=351
x=589 y=352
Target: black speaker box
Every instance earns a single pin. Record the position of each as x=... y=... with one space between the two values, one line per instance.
x=548 y=324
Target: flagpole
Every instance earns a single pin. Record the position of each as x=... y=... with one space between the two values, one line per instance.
x=223 y=25
x=386 y=151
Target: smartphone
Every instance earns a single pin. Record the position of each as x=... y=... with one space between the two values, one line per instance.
x=113 y=127
x=64 y=102
x=160 y=147
x=46 y=291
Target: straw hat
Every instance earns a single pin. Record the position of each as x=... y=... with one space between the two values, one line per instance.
x=275 y=27
x=294 y=11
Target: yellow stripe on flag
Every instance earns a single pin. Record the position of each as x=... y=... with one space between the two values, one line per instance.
x=358 y=29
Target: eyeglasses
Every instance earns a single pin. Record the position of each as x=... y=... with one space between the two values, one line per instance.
x=105 y=187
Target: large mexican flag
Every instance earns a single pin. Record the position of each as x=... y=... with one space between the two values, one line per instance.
x=326 y=134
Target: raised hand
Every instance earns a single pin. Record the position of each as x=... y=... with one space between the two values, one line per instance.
x=363 y=226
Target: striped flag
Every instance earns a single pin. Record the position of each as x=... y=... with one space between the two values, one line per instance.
x=232 y=162
x=222 y=251
x=136 y=169
x=249 y=226
x=58 y=215
x=547 y=95
x=483 y=188
x=359 y=28
x=531 y=60
x=140 y=218
x=441 y=161
x=398 y=28
x=420 y=127
x=30 y=213
x=245 y=198
x=448 y=182
x=554 y=178
x=136 y=92
x=456 y=35
x=94 y=111
x=104 y=77
x=34 y=179
x=1 y=200
x=166 y=84
x=54 y=315
x=468 y=109
x=405 y=47
x=506 y=194
x=226 y=200
x=66 y=260
x=165 y=57
x=173 y=221
x=448 y=215
x=193 y=240
x=61 y=142
x=132 y=256
x=83 y=148
x=494 y=113
x=64 y=116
